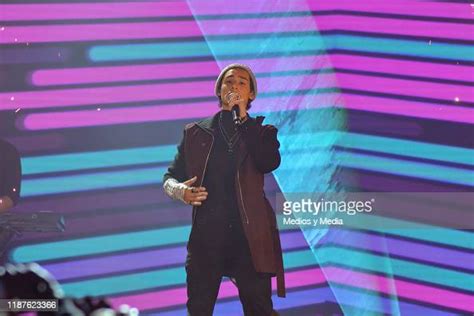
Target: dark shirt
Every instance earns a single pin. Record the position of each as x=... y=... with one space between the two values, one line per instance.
x=219 y=218
x=10 y=171
x=220 y=176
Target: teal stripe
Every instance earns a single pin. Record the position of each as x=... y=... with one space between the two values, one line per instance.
x=290 y=143
x=216 y=47
x=404 y=47
x=152 y=279
x=407 y=168
x=165 y=236
x=222 y=48
x=295 y=259
x=381 y=144
x=99 y=245
x=93 y=181
x=412 y=270
x=161 y=154
x=99 y=159
x=419 y=231
x=126 y=283
x=384 y=165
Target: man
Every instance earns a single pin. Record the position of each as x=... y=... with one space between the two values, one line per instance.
x=10 y=181
x=10 y=176
x=219 y=170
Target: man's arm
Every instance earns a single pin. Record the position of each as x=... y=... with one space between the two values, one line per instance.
x=177 y=169
x=262 y=144
x=176 y=183
x=12 y=179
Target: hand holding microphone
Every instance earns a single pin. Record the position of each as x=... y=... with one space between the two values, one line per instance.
x=233 y=99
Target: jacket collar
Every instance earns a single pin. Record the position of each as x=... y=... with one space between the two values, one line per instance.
x=209 y=123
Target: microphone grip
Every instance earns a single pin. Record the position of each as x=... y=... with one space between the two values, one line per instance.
x=236 y=114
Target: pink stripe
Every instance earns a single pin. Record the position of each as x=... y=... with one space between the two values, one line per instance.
x=88 y=96
x=406 y=87
x=166 y=91
x=51 y=11
x=401 y=288
x=409 y=108
x=84 y=118
x=396 y=27
x=108 y=10
x=168 y=71
x=403 y=67
x=405 y=289
x=176 y=29
x=197 y=69
x=55 y=33
x=403 y=7
x=168 y=298
x=149 y=92
x=70 y=76
x=90 y=32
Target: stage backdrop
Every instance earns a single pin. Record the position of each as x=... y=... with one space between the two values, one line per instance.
x=370 y=96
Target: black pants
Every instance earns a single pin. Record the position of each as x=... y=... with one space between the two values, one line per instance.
x=205 y=267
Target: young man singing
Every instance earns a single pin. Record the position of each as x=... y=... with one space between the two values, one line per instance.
x=219 y=170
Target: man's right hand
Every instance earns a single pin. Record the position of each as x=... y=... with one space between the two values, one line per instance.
x=194 y=195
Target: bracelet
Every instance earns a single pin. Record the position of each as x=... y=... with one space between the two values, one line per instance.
x=175 y=189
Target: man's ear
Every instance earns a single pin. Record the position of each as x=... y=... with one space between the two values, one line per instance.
x=252 y=95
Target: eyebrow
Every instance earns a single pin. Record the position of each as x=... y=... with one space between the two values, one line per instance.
x=239 y=77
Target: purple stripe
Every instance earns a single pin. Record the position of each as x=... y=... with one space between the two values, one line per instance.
x=391 y=246
x=403 y=7
x=36 y=143
x=107 y=10
x=365 y=123
x=141 y=260
x=27 y=55
x=290 y=240
x=389 y=183
x=401 y=288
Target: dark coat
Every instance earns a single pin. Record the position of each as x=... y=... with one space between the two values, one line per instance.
x=258 y=154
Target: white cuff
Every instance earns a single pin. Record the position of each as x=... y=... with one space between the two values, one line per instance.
x=175 y=189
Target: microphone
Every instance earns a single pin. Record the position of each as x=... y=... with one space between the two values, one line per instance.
x=236 y=114
x=231 y=98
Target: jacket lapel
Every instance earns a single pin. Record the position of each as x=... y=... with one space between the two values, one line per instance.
x=243 y=152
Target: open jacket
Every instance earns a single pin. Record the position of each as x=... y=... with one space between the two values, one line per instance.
x=258 y=154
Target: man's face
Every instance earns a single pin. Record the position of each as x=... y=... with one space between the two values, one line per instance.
x=236 y=80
